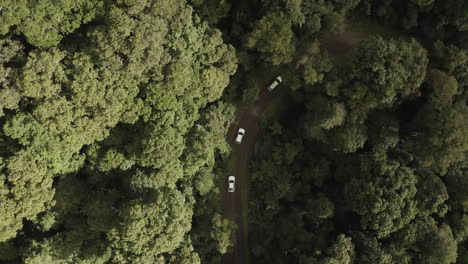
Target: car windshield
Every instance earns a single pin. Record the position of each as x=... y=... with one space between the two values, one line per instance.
x=241 y=133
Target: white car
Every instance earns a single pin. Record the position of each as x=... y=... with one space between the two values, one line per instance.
x=231 y=183
x=275 y=83
x=240 y=135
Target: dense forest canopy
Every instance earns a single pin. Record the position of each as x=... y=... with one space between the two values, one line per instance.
x=102 y=127
x=371 y=167
x=114 y=116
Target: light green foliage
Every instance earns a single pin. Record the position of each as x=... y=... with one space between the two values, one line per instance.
x=75 y=98
x=150 y=226
x=185 y=254
x=341 y=252
x=44 y=23
x=207 y=137
x=314 y=63
x=199 y=71
x=383 y=195
x=111 y=160
x=11 y=52
x=12 y=12
x=310 y=74
x=30 y=186
x=167 y=175
x=294 y=11
x=223 y=233
x=59 y=126
x=272 y=37
x=204 y=181
x=9 y=99
x=43 y=74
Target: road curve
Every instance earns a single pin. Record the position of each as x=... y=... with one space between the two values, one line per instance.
x=232 y=202
x=335 y=44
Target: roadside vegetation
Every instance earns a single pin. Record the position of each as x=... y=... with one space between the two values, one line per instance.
x=113 y=117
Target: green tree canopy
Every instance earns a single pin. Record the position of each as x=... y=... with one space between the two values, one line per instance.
x=44 y=23
x=272 y=36
x=383 y=194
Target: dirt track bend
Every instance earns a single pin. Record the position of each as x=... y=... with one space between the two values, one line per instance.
x=232 y=202
x=337 y=44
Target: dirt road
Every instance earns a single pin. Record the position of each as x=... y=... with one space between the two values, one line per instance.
x=233 y=202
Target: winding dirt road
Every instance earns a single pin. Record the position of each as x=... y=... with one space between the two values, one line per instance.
x=233 y=202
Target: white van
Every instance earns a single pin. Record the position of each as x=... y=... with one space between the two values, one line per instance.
x=231 y=183
x=240 y=135
x=275 y=83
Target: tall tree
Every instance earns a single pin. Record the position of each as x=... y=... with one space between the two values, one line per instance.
x=272 y=36
x=383 y=194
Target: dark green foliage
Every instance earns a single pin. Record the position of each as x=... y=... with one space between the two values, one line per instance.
x=384 y=70
x=436 y=19
x=321 y=207
x=8 y=251
x=211 y=10
x=440 y=127
x=382 y=158
x=383 y=194
x=457 y=182
x=439 y=246
x=380 y=74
